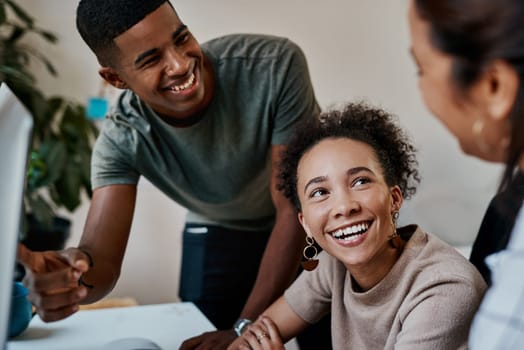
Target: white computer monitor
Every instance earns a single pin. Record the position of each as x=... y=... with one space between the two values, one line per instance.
x=15 y=133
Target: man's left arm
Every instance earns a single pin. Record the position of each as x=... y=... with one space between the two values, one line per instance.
x=279 y=264
x=278 y=267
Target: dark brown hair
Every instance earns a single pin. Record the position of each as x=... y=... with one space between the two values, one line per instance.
x=475 y=33
x=360 y=122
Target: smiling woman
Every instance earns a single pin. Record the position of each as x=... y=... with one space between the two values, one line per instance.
x=347 y=206
x=347 y=174
x=473 y=68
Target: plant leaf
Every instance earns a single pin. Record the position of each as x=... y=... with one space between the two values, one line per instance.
x=62 y=135
x=16 y=34
x=47 y=35
x=49 y=66
x=3 y=16
x=54 y=154
x=41 y=209
x=68 y=187
x=20 y=13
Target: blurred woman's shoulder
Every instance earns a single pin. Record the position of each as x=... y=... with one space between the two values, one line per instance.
x=435 y=260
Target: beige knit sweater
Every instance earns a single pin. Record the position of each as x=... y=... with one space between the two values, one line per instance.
x=426 y=301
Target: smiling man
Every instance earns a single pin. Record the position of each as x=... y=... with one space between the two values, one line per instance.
x=206 y=125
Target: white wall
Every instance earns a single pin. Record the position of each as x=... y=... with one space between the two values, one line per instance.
x=356 y=50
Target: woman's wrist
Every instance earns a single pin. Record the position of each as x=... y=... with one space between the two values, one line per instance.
x=241 y=325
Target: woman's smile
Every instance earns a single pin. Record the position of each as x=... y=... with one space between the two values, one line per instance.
x=351 y=235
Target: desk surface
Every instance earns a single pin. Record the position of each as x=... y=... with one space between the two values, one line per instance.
x=168 y=325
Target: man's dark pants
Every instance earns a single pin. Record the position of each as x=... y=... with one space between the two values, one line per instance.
x=219 y=268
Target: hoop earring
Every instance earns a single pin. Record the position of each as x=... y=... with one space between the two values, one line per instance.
x=477 y=129
x=392 y=236
x=310 y=262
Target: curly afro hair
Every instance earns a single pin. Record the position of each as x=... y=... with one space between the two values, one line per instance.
x=360 y=122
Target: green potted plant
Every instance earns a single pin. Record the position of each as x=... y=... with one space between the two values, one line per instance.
x=59 y=167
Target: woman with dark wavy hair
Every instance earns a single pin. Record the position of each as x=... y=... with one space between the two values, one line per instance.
x=386 y=287
x=470 y=55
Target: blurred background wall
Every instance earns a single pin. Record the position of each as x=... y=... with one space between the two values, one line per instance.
x=355 y=49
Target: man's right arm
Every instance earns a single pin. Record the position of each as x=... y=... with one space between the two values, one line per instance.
x=52 y=277
x=105 y=236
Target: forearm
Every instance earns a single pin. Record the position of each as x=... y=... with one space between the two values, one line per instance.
x=100 y=279
x=289 y=324
x=105 y=237
x=279 y=265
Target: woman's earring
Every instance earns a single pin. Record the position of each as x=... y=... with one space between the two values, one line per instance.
x=394 y=234
x=310 y=261
x=477 y=129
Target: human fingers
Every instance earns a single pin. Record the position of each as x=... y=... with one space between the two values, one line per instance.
x=251 y=340
x=267 y=335
x=235 y=345
x=216 y=340
x=51 y=315
x=242 y=346
x=57 y=300
x=53 y=272
x=23 y=255
x=191 y=343
x=40 y=261
x=274 y=333
x=53 y=282
x=239 y=344
x=79 y=259
x=256 y=337
x=52 y=260
x=196 y=342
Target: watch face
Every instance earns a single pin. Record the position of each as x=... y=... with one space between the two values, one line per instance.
x=240 y=325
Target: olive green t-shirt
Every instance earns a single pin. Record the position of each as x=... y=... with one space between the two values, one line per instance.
x=218 y=168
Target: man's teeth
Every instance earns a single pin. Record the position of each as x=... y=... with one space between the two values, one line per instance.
x=351 y=233
x=184 y=86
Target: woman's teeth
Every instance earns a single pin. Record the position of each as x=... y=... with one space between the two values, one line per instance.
x=350 y=233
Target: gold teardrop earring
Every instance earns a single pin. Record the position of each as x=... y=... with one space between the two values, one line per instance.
x=310 y=261
x=394 y=234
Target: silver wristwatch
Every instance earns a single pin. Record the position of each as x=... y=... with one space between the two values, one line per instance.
x=240 y=325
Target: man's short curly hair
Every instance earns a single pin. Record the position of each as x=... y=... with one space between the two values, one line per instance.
x=101 y=21
x=360 y=122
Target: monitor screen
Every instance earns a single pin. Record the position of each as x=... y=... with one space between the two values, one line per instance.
x=15 y=134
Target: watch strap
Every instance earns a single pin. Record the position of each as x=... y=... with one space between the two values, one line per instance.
x=240 y=325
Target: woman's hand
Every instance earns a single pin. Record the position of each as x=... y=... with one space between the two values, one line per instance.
x=261 y=335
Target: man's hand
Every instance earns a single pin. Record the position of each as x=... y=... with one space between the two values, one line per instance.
x=52 y=279
x=217 y=340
